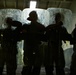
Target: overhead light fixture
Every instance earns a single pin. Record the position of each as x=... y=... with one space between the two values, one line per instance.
x=33 y=4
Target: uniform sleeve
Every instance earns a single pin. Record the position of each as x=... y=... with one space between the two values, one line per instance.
x=43 y=33
x=73 y=36
x=24 y=31
x=65 y=35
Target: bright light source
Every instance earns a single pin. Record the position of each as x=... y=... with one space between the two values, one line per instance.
x=33 y=4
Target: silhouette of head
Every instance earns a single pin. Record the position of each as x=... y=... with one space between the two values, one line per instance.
x=57 y=17
x=9 y=21
x=32 y=16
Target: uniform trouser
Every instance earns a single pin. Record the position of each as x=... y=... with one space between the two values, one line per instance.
x=28 y=70
x=11 y=63
x=32 y=61
x=50 y=68
x=55 y=58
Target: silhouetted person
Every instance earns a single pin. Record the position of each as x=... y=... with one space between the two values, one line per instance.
x=32 y=41
x=73 y=61
x=6 y=49
x=16 y=37
x=55 y=33
x=9 y=38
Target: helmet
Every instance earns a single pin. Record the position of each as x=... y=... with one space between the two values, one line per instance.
x=32 y=16
x=8 y=20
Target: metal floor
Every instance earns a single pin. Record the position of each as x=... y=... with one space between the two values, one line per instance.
x=42 y=72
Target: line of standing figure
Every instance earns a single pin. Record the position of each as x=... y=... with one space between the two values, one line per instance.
x=33 y=35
